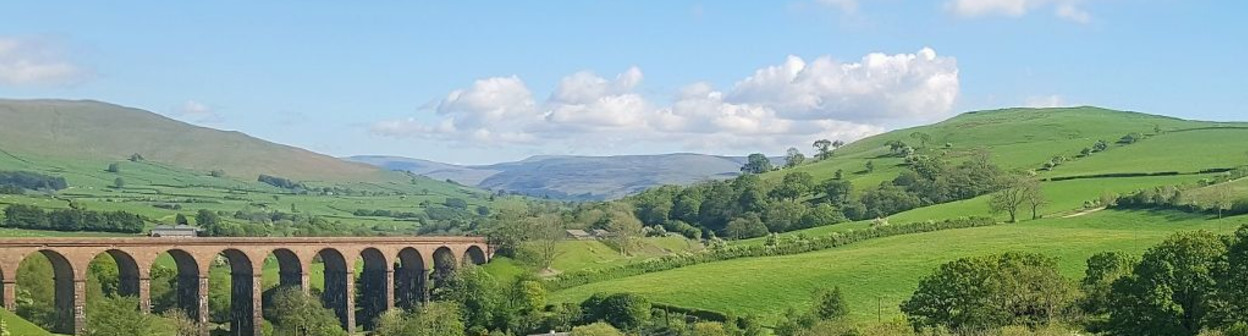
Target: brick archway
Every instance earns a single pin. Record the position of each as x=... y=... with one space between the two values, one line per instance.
x=396 y=271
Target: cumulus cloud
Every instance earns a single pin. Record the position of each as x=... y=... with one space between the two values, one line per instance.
x=788 y=104
x=1045 y=101
x=197 y=112
x=32 y=61
x=845 y=6
x=1064 y=9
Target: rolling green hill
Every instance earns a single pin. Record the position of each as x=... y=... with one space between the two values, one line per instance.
x=101 y=131
x=79 y=140
x=877 y=274
x=1025 y=138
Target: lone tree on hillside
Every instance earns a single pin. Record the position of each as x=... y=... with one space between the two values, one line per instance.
x=1016 y=191
x=896 y=146
x=923 y=138
x=822 y=151
x=119 y=183
x=114 y=168
x=870 y=166
x=136 y=157
x=838 y=144
x=756 y=164
x=1035 y=197
x=793 y=158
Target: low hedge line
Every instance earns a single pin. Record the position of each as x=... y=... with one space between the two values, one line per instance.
x=1108 y=175
x=786 y=246
x=700 y=314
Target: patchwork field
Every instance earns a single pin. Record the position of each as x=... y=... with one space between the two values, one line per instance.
x=876 y=275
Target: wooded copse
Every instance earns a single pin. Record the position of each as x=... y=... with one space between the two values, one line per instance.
x=748 y=206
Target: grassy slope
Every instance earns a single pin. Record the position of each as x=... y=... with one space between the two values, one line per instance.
x=19 y=326
x=149 y=183
x=885 y=271
x=1026 y=138
x=89 y=129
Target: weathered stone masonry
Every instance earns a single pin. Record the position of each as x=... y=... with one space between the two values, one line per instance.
x=396 y=271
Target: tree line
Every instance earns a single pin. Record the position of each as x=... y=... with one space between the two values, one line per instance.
x=32 y=181
x=748 y=206
x=30 y=217
x=1189 y=284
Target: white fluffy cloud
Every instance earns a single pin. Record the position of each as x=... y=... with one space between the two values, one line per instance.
x=1045 y=101
x=197 y=112
x=31 y=61
x=778 y=106
x=845 y=6
x=1065 y=9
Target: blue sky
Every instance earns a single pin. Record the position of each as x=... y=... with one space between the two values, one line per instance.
x=480 y=82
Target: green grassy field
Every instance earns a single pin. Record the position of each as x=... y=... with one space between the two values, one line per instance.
x=148 y=184
x=19 y=326
x=876 y=275
x=1024 y=138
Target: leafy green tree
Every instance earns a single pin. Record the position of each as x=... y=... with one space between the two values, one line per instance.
x=114 y=167
x=793 y=186
x=625 y=230
x=896 y=146
x=708 y=329
x=749 y=225
x=1234 y=283
x=783 y=216
x=596 y=329
x=180 y=219
x=625 y=311
x=432 y=319
x=475 y=292
x=839 y=175
x=793 y=158
x=1172 y=290
x=1013 y=196
x=870 y=166
x=822 y=150
x=923 y=138
x=181 y=324
x=837 y=191
x=1103 y=270
x=756 y=164
x=545 y=233
x=830 y=305
x=990 y=292
x=295 y=313
x=820 y=215
x=119 y=183
x=120 y=316
x=217 y=173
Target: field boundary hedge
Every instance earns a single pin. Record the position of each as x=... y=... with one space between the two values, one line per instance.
x=785 y=246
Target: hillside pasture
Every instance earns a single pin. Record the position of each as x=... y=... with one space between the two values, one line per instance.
x=876 y=275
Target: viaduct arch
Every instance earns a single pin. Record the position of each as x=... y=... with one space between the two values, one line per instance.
x=396 y=272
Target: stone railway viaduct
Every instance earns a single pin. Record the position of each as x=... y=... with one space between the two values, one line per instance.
x=396 y=271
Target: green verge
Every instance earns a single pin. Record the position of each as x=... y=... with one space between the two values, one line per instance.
x=18 y=326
